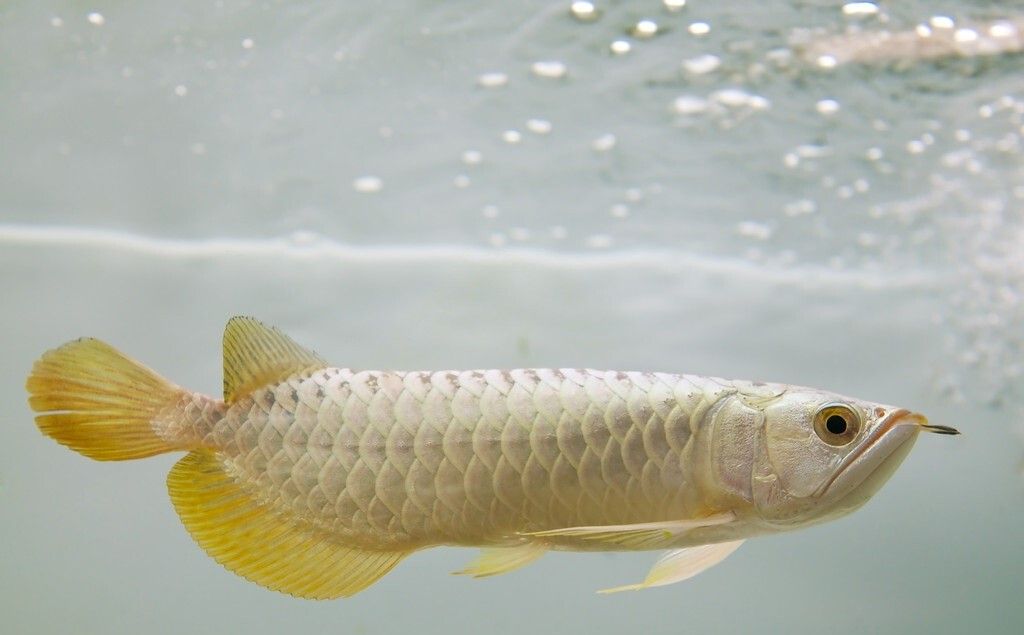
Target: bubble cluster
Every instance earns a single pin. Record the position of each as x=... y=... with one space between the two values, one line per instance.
x=938 y=37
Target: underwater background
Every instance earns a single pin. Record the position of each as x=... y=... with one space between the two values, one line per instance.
x=761 y=190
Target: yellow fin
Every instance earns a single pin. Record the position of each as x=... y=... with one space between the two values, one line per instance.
x=681 y=564
x=264 y=546
x=96 y=401
x=498 y=560
x=256 y=355
x=654 y=535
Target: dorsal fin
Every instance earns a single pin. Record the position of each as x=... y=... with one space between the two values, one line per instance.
x=256 y=355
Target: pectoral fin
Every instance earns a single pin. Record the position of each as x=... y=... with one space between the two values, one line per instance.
x=498 y=560
x=680 y=564
x=636 y=536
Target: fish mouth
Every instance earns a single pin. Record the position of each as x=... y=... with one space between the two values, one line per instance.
x=865 y=469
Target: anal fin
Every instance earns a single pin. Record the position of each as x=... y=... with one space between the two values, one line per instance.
x=498 y=560
x=681 y=564
x=656 y=535
x=262 y=545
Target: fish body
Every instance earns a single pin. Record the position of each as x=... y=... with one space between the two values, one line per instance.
x=416 y=459
x=317 y=480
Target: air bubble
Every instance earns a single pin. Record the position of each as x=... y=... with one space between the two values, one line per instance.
x=549 y=69
x=645 y=29
x=583 y=11
x=965 y=35
x=860 y=8
x=689 y=105
x=368 y=184
x=492 y=79
x=699 y=28
x=1002 y=30
x=604 y=143
x=915 y=146
x=827 y=61
x=827 y=107
x=702 y=64
x=511 y=136
x=538 y=126
x=634 y=195
x=96 y=19
x=620 y=47
x=753 y=229
x=801 y=207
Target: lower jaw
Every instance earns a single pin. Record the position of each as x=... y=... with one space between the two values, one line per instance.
x=863 y=491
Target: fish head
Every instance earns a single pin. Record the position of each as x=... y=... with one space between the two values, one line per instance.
x=821 y=455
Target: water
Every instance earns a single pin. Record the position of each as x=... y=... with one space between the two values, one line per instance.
x=423 y=185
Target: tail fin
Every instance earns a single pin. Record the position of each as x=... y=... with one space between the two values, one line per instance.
x=100 y=403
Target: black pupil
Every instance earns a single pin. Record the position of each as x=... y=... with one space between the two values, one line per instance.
x=836 y=424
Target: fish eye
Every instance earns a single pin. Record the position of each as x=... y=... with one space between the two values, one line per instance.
x=836 y=424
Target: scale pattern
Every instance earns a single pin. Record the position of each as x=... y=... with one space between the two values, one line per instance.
x=411 y=459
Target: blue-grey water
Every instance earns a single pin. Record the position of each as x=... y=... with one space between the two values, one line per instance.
x=468 y=184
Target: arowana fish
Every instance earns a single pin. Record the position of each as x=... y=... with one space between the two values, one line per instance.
x=316 y=481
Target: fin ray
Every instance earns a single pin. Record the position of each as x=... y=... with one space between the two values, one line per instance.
x=256 y=355
x=262 y=545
